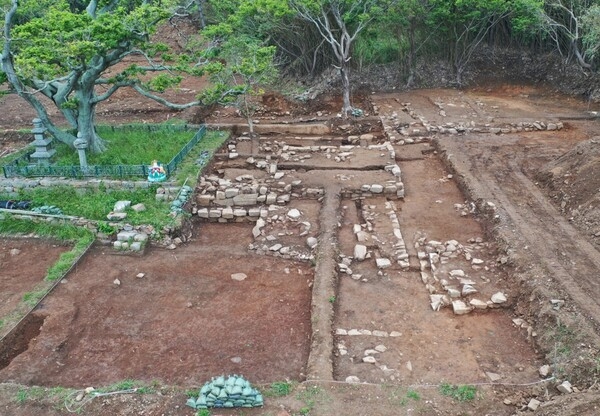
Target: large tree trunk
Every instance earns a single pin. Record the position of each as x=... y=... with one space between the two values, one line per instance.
x=86 y=111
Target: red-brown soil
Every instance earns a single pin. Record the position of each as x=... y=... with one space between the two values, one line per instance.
x=183 y=322
x=23 y=264
x=530 y=251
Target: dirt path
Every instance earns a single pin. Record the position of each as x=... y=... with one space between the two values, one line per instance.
x=320 y=365
x=543 y=235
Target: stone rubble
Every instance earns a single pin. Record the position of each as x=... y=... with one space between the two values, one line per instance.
x=452 y=287
x=419 y=129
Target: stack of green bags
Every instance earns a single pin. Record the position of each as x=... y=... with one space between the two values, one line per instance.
x=184 y=195
x=232 y=391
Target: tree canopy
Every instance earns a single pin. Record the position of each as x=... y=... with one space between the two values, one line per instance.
x=62 y=50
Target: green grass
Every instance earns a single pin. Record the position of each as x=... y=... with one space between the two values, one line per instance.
x=131 y=145
x=9 y=158
x=278 y=389
x=310 y=396
x=461 y=393
x=21 y=396
x=188 y=168
x=96 y=204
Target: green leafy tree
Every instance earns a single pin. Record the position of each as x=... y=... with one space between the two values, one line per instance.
x=464 y=24
x=239 y=70
x=62 y=50
x=591 y=31
x=339 y=22
x=565 y=22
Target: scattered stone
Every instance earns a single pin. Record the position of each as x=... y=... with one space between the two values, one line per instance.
x=312 y=242
x=507 y=402
x=499 y=298
x=383 y=263
x=15 y=252
x=457 y=273
x=478 y=304
x=565 y=387
x=354 y=332
x=468 y=290
x=409 y=366
x=239 y=276
x=533 y=404
x=380 y=347
x=360 y=252
x=140 y=275
x=121 y=206
x=236 y=360
x=395 y=334
x=377 y=333
x=116 y=216
x=369 y=359
x=117 y=282
x=493 y=376
x=340 y=331
x=352 y=379
x=294 y=214
x=460 y=308
x=544 y=370
x=139 y=207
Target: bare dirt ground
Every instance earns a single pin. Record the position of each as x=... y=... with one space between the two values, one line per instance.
x=183 y=321
x=477 y=192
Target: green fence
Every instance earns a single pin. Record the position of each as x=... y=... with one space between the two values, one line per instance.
x=23 y=166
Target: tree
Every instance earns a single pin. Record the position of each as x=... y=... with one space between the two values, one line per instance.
x=591 y=31
x=238 y=72
x=464 y=24
x=62 y=49
x=564 y=21
x=339 y=22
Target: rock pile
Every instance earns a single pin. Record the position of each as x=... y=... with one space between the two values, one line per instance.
x=290 y=223
x=452 y=287
x=419 y=128
x=131 y=241
x=226 y=392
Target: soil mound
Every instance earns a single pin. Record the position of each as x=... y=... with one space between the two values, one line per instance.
x=573 y=182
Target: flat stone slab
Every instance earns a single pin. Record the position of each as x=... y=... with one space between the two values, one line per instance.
x=239 y=276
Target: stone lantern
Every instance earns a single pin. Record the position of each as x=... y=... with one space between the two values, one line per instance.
x=81 y=144
x=43 y=152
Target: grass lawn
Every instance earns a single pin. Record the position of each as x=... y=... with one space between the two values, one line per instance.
x=130 y=145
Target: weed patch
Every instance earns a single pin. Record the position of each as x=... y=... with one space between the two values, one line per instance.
x=462 y=393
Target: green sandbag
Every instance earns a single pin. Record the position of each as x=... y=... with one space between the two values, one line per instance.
x=215 y=391
x=248 y=392
x=240 y=382
x=223 y=395
x=219 y=381
x=201 y=401
x=259 y=400
x=237 y=390
x=230 y=381
x=191 y=403
x=205 y=389
x=228 y=404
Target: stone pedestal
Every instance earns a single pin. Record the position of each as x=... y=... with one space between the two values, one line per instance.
x=81 y=144
x=43 y=152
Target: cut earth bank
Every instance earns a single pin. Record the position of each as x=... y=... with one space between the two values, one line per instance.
x=399 y=279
